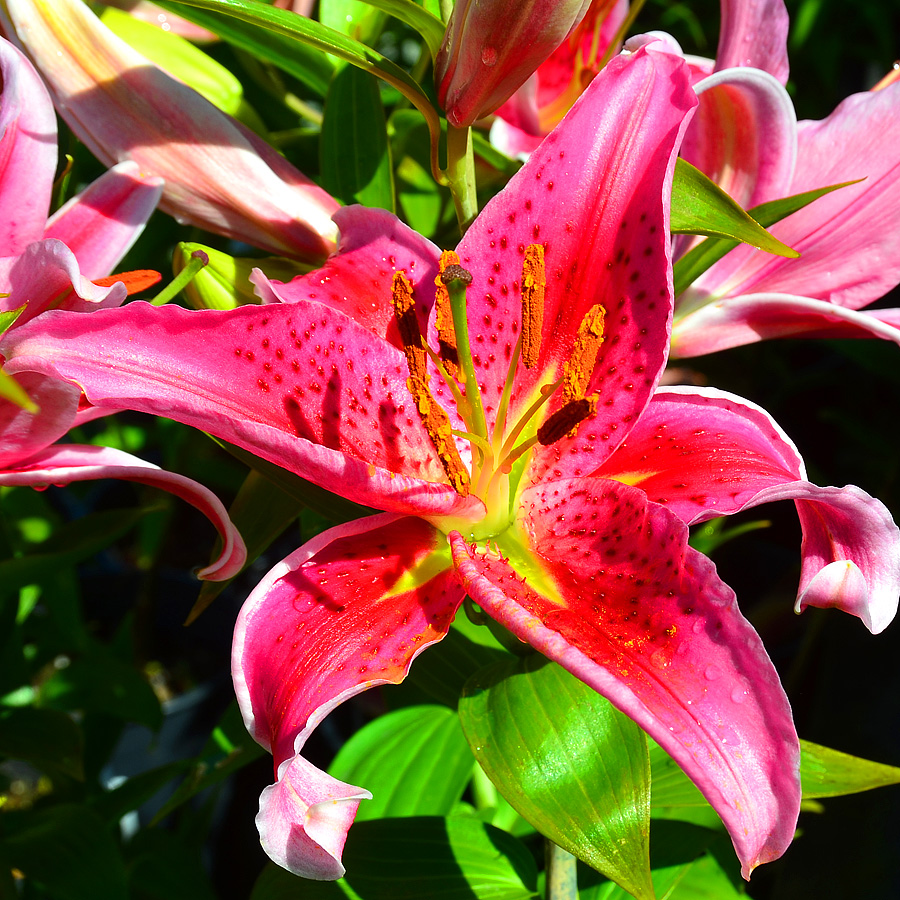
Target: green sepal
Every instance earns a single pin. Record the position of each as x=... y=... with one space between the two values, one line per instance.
x=700 y=206
x=527 y=718
x=697 y=260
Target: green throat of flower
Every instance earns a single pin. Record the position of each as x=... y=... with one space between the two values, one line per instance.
x=494 y=448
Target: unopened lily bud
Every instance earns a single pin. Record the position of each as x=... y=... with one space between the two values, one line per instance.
x=224 y=282
x=218 y=174
x=491 y=48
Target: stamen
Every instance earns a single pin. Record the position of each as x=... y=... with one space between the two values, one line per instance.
x=443 y=317
x=533 y=284
x=565 y=420
x=580 y=365
x=432 y=414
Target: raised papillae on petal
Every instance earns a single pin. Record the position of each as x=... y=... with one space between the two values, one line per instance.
x=603 y=582
x=350 y=609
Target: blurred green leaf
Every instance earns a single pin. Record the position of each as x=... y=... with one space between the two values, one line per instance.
x=567 y=761
x=355 y=155
x=135 y=791
x=67 y=851
x=700 y=206
x=43 y=737
x=163 y=866
x=415 y=761
x=417 y=858
x=829 y=773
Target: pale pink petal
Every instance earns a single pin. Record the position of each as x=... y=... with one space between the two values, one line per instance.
x=595 y=195
x=754 y=33
x=299 y=384
x=23 y=433
x=613 y=593
x=100 y=224
x=218 y=174
x=27 y=152
x=374 y=244
x=746 y=319
x=46 y=276
x=744 y=135
x=67 y=463
x=705 y=453
x=349 y=610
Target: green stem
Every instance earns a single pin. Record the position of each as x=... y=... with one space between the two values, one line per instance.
x=196 y=262
x=460 y=175
x=562 y=876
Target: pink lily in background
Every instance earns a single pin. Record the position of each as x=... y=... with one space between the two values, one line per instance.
x=218 y=174
x=47 y=264
x=746 y=137
x=491 y=47
x=548 y=481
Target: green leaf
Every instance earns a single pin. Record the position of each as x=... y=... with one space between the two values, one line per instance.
x=696 y=261
x=67 y=851
x=712 y=534
x=43 y=737
x=830 y=773
x=354 y=151
x=355 y=18
x=669 y=785
x=137 y=790
x=11 y=390
x=415 y=761
x=102 y=684
x=421 y=857
x=419 y=19
x=307 y=64
x=567 y=761
x=700 y=206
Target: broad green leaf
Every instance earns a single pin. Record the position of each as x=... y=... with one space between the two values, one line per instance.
x=228 y=749
x=420 y=197
x=696 y=261
x=355 y=18
x=43 y=737
x=415 y=761
x=700 y=206
x=69 y=545
x=416 y=858
x=418 y=18
x=567 y=761
x=307 y=64
x=355 y=155
x=67 y=851
x=261 y=512
x=829 y=773
x=669 y=785
x=102 y=684
x=274 y=34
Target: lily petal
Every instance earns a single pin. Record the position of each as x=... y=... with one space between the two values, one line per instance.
x=300 y=384
x=27 y=151
x=68 y=463
x=218 y=175
x=655 y=631
x=349 y=610
x=754 y=34
x=705 y=453
x=595 y=196
x=100 y=224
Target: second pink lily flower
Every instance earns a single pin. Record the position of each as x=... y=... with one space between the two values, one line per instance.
x=218 y=174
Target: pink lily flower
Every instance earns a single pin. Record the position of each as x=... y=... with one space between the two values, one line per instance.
x=746 y=137
x=550 y=482
x=218 y=174
x=491 y=47
x=46 y=264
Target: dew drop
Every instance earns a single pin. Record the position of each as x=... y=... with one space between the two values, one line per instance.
x=659 y=659
x=489 y=56
x=738 y=695
x=712 y=673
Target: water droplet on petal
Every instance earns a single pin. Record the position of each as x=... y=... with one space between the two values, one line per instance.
x=489 y=56
x=659 y=659
x=738 y=695
x=712 y=673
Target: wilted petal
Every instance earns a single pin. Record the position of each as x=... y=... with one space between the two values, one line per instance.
x=100 y=224
x=608 y=588
x=704 y=453
x=27 y=152
x=218 y=175
x=68 y=463
x=349 y=610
